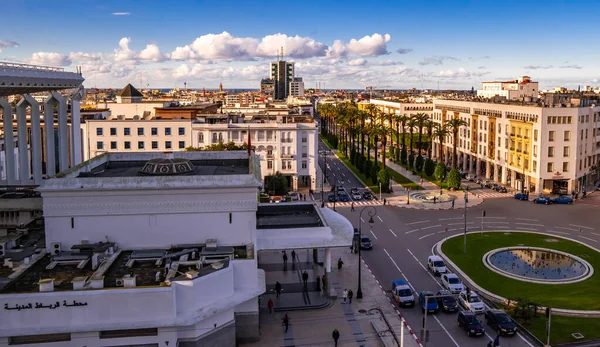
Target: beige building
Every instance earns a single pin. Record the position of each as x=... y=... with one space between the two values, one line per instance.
x=521 y=88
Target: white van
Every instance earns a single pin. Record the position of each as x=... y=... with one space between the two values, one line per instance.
x=436 y=265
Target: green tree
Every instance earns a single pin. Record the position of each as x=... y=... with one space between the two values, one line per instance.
x=411 y=160
x=374 y=172
x=360 y=162
x=454 y=179
x=440 y=172
x=367 y=167
x=276 y=184
x=419 y=162
x=429 y=167
x=454 y=125
x=403 y=156
x=383 y=177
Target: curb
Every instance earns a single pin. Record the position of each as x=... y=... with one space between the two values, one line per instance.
x=496 y=298
x=402 y=320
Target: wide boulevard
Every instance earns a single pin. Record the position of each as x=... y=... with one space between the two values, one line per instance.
x=403 y=239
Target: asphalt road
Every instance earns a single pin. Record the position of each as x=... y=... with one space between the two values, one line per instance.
x=403 y=239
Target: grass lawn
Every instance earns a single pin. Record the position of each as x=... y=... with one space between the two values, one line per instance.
x=577 y=296
x=562 y=328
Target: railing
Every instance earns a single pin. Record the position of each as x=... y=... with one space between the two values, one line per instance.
x=519 y=150
x=512 y=148
x=513 y=134
x=519 y=136
x=287 y=155
x=270 y=155
x=30 y=67
x=526 y=152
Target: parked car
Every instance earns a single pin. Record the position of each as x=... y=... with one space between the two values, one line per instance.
x=339 y=188
x=542 y=200
x=448 y=302
x=354 y=190
x=501 y=322
x=499 y=188
x=453 y=283
x=470 y=324
x=563 y=199
x=365 y=242
x=432 y=305
x=402 y=293
x=436 y=265
x=356 y=196
x=471 y=302
x=332 y=198
x=522 y=196
x=367 y=195
x=343 y=196
x=294 y=196
x=470 y=177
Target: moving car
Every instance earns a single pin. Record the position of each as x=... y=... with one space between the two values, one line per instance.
x=563 y=199
x=367 y=195
x=448 y=302
x=436 y=265
x=356 y=196
x=522 y=196
x=471 y=302
x=452 y=283
x=432 y=305
x=365 y=242
x=501 y=322
x=402 y=293
x=339 y=188
x=470 y=324
x=354 y=190
x=542 y=200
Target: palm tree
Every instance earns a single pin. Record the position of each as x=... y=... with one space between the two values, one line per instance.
x=362 y=117
x=411 y=123
x=429 y=125
x=440 y=132
x=454 y=125
x=373 y=112
x=420 y=119
x=398 y=119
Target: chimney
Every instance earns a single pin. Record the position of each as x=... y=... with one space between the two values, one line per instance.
x=97 y=282
x=46 y=285
x=129 y=281
x=79 y=282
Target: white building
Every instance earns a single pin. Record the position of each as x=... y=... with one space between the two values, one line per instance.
x=147 y=250
x=517 y=89
x=15 y=158
x=297 y=87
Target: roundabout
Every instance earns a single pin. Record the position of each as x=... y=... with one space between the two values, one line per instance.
x=511 y=265
x=431 y=197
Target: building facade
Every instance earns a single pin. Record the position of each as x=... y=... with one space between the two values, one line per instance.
x=521 y=88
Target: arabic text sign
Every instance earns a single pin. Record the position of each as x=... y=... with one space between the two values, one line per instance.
x=41 y=305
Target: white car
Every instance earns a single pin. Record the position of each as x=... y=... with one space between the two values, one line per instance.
x=471 y=302
x=452 y=283
x=436 y=264
x=356 y=196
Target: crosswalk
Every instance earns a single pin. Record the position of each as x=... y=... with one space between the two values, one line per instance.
x=356 y=203
x=488 y=193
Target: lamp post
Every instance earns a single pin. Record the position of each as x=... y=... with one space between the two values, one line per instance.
x=372 y=212
x=408 y=195
x=324 y=155
x=466 y=201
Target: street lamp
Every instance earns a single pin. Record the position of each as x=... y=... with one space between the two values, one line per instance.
x=466 y=201
x=408 y=195
x=324 y=155
x=372 y=212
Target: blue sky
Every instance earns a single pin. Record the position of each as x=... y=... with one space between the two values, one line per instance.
x=341 y=44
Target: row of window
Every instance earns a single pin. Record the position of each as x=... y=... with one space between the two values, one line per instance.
x=565 y=167
x=140 y=145
x=286 y=165
x=560 y=120
x=63 y=337
x=140 y=131
x=566 y=151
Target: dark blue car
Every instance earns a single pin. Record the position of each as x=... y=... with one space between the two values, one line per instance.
x=432 y=304
x=332 y=198
x=542 y=200
x=563 y=199
x=343 y=197
x=522 y=196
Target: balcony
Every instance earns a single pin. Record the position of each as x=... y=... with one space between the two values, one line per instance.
x=512 y=148
x=519 y=150
x=270 y=156
x=286 y=140
x=519 y=136
x=526 y=137
x=513 y=135
x=287 y=169
x=288 y=156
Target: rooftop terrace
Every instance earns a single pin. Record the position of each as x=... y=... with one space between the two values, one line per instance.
x=272 y=216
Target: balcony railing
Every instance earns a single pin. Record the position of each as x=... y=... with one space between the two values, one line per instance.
x=270 y=155
x=526 y=152
x=519 y=150
x=519 y=135
x=287 y=155
x=512 y=148
x=513 y=134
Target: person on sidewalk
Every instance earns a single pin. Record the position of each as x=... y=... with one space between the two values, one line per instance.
x=384 y=201
x=452 y=204
x=278 y=289
x=285 y=258
x=318 y=283
x=336 y=336
x=293 y=256
x=286 y=322
x=352 y=206
x=305 y=280
x=270 y=304
x=340 y=263
x=345 y=295
x=421 y=181
x=324 y=279
x=350 y=295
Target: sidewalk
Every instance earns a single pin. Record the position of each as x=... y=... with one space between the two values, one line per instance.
x=357 y=323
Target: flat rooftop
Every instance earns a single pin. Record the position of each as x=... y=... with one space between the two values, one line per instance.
x=283 y=216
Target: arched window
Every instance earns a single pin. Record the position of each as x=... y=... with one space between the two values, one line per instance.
x=201 y=138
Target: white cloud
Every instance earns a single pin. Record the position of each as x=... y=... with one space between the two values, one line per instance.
x=571 y=66
x=404 y=50
x=123 y=53
x=357 y=62
x=461 y=73
x=436 y=60
x=535 y=67
x=121 y=13
x=293 y=46
x=86 y=57
x=183 y=53
x=7 y=43
x=152 y=53
x=50 y=59
x=224 y=46
x=370 y=46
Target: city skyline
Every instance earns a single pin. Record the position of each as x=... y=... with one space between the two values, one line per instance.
x=389 y=46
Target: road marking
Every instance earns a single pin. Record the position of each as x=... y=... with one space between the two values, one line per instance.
x=492 y=217
x=450 y=218
x=423 y=221
x=521 y=228
x=497 y=226
x=494 y=222
x=450 y=336
x=397 y=267
x=381 y=220
x=440 y=232
x=343 y=174
x=525 y=340
x=595 y=234
x=558 y=232
x=453 y=229
x=432 y=226
x=581 y=226
x=422 y=237
x=587 y=238
x=362 y=220
x=412 y=231
x=529 y=219
x=537 y=225
x=570 y=229
x=424 y=268
x=459 y=223
x=373 y=234
x=393 y=233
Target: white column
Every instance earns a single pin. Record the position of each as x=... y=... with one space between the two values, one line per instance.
x=513 y=178
x=464 y=161
x=9 y=142
x=63 y=136
x=478 y=166
x=487 y=170
x=36 y=139
x=22 y=138
x=496 y=175
x=328 y=260
x=49 y=125
x=504 y=175
x=76 y=129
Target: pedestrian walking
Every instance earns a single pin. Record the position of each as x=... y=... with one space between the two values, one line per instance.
x=305 y=280
x=421 y=181
x=452 y=203
x=345 y=295
x=497 y=341
x=318 y=283
x=278 y=289
x=293 y=256
x=384 y=201
x=286 y=322
x=350 y=295
x=434 y=198
x=352 y=206
x=324 y=280
x=336 y=336
x=270 y=304
x=490 y=344
x=340 y=263
x=285 y=258
x=573 y=195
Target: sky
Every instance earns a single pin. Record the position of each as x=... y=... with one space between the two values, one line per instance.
x=445 y=44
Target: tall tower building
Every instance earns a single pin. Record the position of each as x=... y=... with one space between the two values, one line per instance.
x=282 y=74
